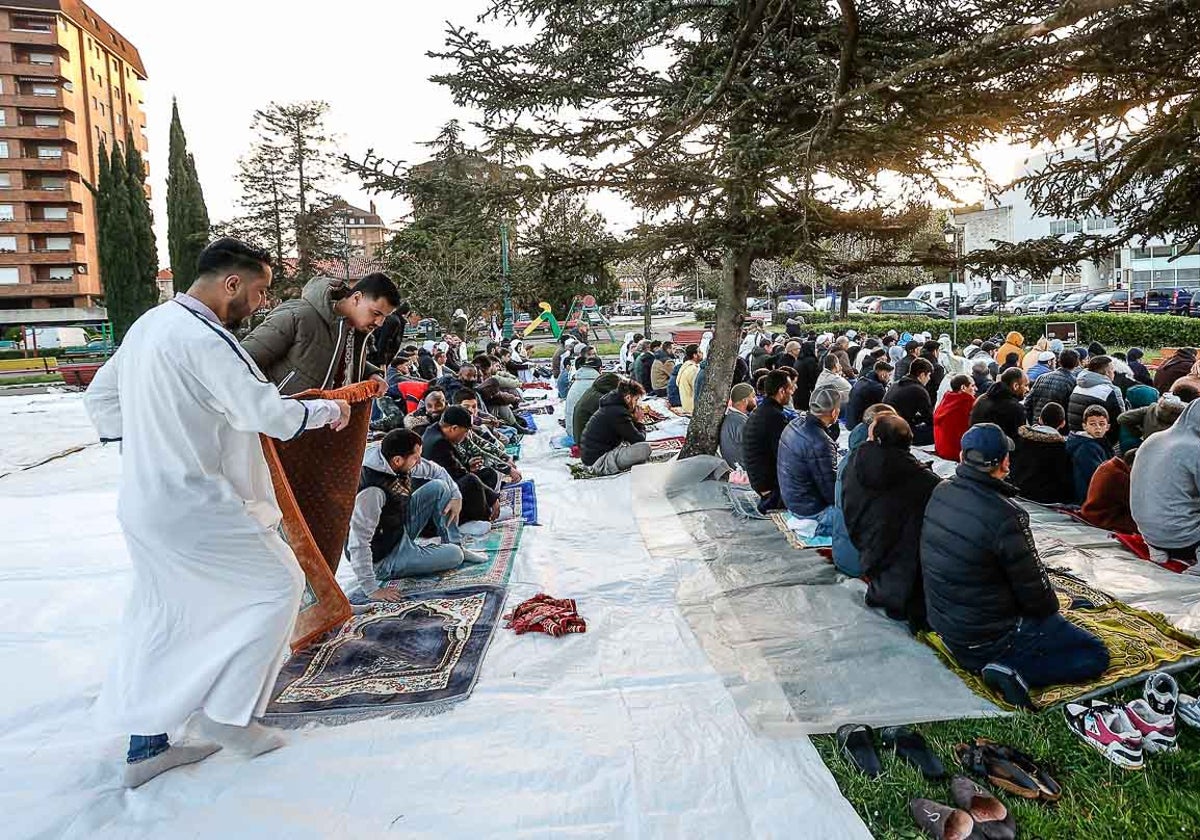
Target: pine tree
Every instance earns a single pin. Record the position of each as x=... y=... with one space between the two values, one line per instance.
x=145 y=255
x=124 y=295
x=188 y=228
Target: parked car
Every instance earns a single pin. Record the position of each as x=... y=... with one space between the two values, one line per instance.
x=1072 y=303
x=795 y=307
x=1018 y=305
x=906 y=306
x=966 y=304
x=760 y=305
x=1111 y=301
x=866 y=300
x=986 y=307
x=1042 y=303
x=828 y=304
x=1167 y=302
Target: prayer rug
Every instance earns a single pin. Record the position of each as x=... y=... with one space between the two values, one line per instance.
x=513 y=450
x=539 y=408
x=744 y=502
x=500 y=546
x=414 y=657
x=527 y=419
x=795 y=540
x=665 y=449
x=1134 y=542
x=543 y=614
x=522 y=499
x=316 y=479
x=1138 y=642
x=537 y=386
x=651 y=415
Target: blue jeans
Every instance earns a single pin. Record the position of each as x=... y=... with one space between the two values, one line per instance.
x=142 y=747
x=1052 y=651
x=407 y=558
x=826 y=521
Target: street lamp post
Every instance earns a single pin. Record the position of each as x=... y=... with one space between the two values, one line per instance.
x=952 y=240
x=507 y=329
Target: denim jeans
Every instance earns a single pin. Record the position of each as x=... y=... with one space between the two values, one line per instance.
x=1052 y=651
x=142 y=747
x=826 y=521
x=407 y=558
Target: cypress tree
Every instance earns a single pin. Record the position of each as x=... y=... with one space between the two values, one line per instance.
x=118 y=247
x=145 y=254
x=187 y=216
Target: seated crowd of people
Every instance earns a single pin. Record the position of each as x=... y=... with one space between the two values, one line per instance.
x=1093 y=433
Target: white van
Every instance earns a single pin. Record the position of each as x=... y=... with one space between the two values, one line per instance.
x=54 y=338
x=931 y=293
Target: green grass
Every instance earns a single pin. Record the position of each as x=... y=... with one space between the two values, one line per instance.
x=1100 y=800
x=33 y=379
x=546 y=351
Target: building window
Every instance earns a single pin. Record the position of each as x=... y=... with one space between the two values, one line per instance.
x=47 y=120
x=1061 y=228
x=5 y=180
x=58 y=243
x=1187 y=275
x=53 y=184
x=1140 y=254
x=49 y=152
x=8 y=244
x=44 y=59
x=6 y=213
x=29 y=23
x=1101 y=223
x=1162 y=251
x=54 y=214
x=61 y=272
x=3 y=148
x=44 y=90
x=3 y=117
x=10 y=275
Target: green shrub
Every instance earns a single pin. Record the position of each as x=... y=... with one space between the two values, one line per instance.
x=41 y=353
x=1107 y=328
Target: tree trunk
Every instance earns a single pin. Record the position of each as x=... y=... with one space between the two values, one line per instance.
x=704 y=432
x=844 y=305
x=647 y=315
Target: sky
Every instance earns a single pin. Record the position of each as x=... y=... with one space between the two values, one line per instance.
x=223 y=60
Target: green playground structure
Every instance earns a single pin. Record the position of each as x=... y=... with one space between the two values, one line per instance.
x=582 y=309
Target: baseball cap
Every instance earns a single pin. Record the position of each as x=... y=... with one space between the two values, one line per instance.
x=824 y=400
x=985 y=445
x=1045 y=356
x=456 y=415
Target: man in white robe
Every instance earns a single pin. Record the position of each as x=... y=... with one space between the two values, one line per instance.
x=216 y=589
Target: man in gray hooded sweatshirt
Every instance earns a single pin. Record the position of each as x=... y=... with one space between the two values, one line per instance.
x=1164 y=491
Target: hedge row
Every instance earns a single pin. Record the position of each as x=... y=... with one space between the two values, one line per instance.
x=1106 y=328
x=42 y=352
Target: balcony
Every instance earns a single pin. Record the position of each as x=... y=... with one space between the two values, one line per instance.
x=32 y=36
x=68 y=162
x=53 y=227
x=29 y=70
x=63 y=132
x=71 y=195
x=74 y=254
x=57 y=102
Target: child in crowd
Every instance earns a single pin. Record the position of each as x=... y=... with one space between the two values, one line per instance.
x=1088 y=449
x=1041 y=468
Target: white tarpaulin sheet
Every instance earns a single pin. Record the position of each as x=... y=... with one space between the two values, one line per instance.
x=625 y=731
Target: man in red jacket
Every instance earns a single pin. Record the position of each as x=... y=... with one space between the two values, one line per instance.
x=953 y=417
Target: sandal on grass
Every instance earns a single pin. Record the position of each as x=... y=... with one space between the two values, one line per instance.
x=941 y=821
x=913 y=748
x=856 y=742
x=1007 y=769
x=992 y=819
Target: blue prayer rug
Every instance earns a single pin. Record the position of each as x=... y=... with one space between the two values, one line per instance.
x=522 y=499
x=415 y=657
x=527 y=419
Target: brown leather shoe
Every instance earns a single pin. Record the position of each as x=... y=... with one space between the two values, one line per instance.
x=940 y=821
x=992 y=819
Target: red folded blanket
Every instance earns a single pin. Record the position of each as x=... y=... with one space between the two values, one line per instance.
x=543 y=614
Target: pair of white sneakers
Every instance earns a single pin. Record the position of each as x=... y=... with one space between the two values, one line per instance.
x=1125 y=734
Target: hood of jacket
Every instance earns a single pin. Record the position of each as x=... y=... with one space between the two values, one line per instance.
x=1095 y=384
x=1140 y=396
x=1000 y=391
x=587 y=373
x=374 y=460
x=1039 y=434
x=1015 y=338
x=859 y=436
x=317 y=294
x=1082 y=440
x=807 y=349
x=954 y=399
x=606 y=382
x=613 y=398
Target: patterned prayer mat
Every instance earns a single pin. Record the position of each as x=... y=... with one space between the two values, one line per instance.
x=316 y=479
x=527 y=419
x=415 y=657
x=780 y=518
x=1138 y=642
x=513 y=450
x=665 y=449
x=500 y=546
x=522 y=499
x=539 y=408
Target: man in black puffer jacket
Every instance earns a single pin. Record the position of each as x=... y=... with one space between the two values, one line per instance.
x=1053 y=387
x=760 y=439
x=910 y=398
x=614 y=439
x=986 y=591
x=1002 y=403
x=884 y=495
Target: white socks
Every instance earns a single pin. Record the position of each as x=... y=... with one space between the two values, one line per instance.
x=251 y=740
x=140 y=772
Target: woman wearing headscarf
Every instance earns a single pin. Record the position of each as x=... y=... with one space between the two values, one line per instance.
x=1031 y=358
x=705 y=340
x=518 y=365
x=626 y=345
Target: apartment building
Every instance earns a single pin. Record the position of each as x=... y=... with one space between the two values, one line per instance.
x=363 y=230
x=69 y=82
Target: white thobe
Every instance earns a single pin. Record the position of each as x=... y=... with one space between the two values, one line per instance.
x=215 y=589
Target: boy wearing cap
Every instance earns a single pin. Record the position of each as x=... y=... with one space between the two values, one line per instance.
x=986 y=591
